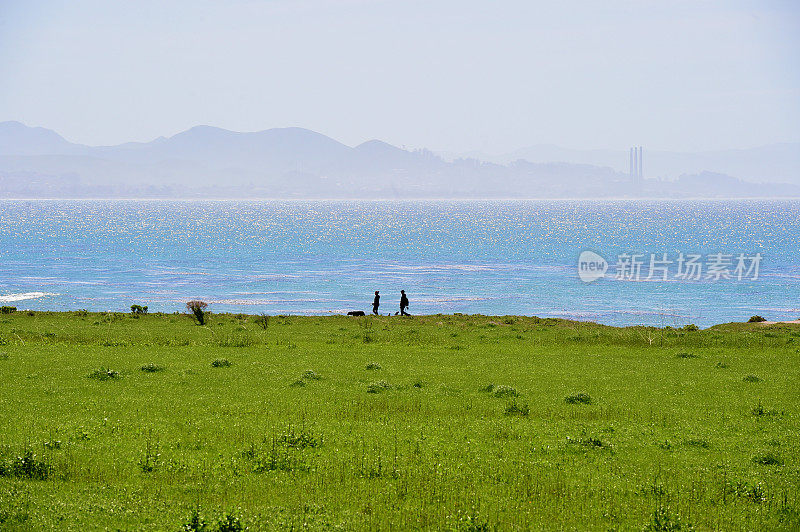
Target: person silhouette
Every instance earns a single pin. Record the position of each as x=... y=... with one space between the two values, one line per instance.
x=376 y=303
x=403 y=303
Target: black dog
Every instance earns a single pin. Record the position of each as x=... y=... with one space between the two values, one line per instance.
x=356 y=313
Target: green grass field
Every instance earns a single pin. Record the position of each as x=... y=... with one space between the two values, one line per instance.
x=109 y=421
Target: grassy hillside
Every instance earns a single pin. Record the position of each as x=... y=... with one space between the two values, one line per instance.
x=437 y=422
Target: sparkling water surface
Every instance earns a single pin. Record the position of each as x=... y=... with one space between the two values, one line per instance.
x=322 y=257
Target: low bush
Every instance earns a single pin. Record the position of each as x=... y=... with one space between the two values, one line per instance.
x=263 y=321
x=768 y=459
x=26 y=466
x=221 y=363
x=578 y=399
x=378 y=387
x=759 y=411
x=515 y=409
x=198 y=310
x=195 y=523
x=311 y=375
x=504 y=391
x=756 y=319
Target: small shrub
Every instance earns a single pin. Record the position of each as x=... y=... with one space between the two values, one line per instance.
x=374 y=366
x=691 y=327
x=378 y=387
x=311 y=375
x=300 y=440
x=578 y=399
x=152 y=368
x=229 y=522
x=7 y=310
x=721 y=365
x=768 y=459
x=505 y=391
x=26 y=466
x=138 y=309
x=751 y=378
x=752 y=492
x=3 y=356
x=221 y=363
x=759 y=410
x=198 y=310
x=299 y=383
x=195 y=523
x=687 y=355
x=702 y=444
x=488 y=388
x=263 y=321
x=419 y=384
x=104 y=374
x=514 y=409
x=756 y=319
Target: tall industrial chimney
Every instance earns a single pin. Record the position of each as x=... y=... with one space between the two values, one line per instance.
x=632 y=169
x=641 y=175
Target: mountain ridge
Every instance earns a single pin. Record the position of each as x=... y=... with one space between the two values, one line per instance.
x=297 y=162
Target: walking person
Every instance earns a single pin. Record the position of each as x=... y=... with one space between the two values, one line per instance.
x=376 y=302
x=403 y=303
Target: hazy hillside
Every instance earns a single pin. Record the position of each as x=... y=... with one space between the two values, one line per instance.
x=207 y=161
x=776 y=163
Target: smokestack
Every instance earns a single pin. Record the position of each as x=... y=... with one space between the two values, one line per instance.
x=632 y=172
x=641 y=175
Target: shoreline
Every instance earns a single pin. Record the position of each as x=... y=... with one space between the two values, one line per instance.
x=499 y=317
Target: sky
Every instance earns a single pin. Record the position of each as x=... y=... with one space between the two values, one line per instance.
x=454 y=76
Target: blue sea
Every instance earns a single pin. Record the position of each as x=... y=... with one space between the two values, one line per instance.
x=487 y=257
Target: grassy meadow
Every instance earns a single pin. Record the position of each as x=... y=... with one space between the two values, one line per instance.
x=152 y=422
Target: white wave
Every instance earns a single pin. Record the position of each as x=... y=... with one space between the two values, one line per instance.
x=266 y=301
x=9 y=298
x=451 y=299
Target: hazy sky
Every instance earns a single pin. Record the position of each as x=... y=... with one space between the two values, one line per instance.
x=449 y=75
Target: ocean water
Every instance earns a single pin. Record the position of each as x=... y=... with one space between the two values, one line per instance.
x=328 y=257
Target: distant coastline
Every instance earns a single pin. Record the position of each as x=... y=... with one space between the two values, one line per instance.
x=206 y=162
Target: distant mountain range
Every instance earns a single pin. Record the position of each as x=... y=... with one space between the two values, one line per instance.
x=209 y=162
x=774 y=163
